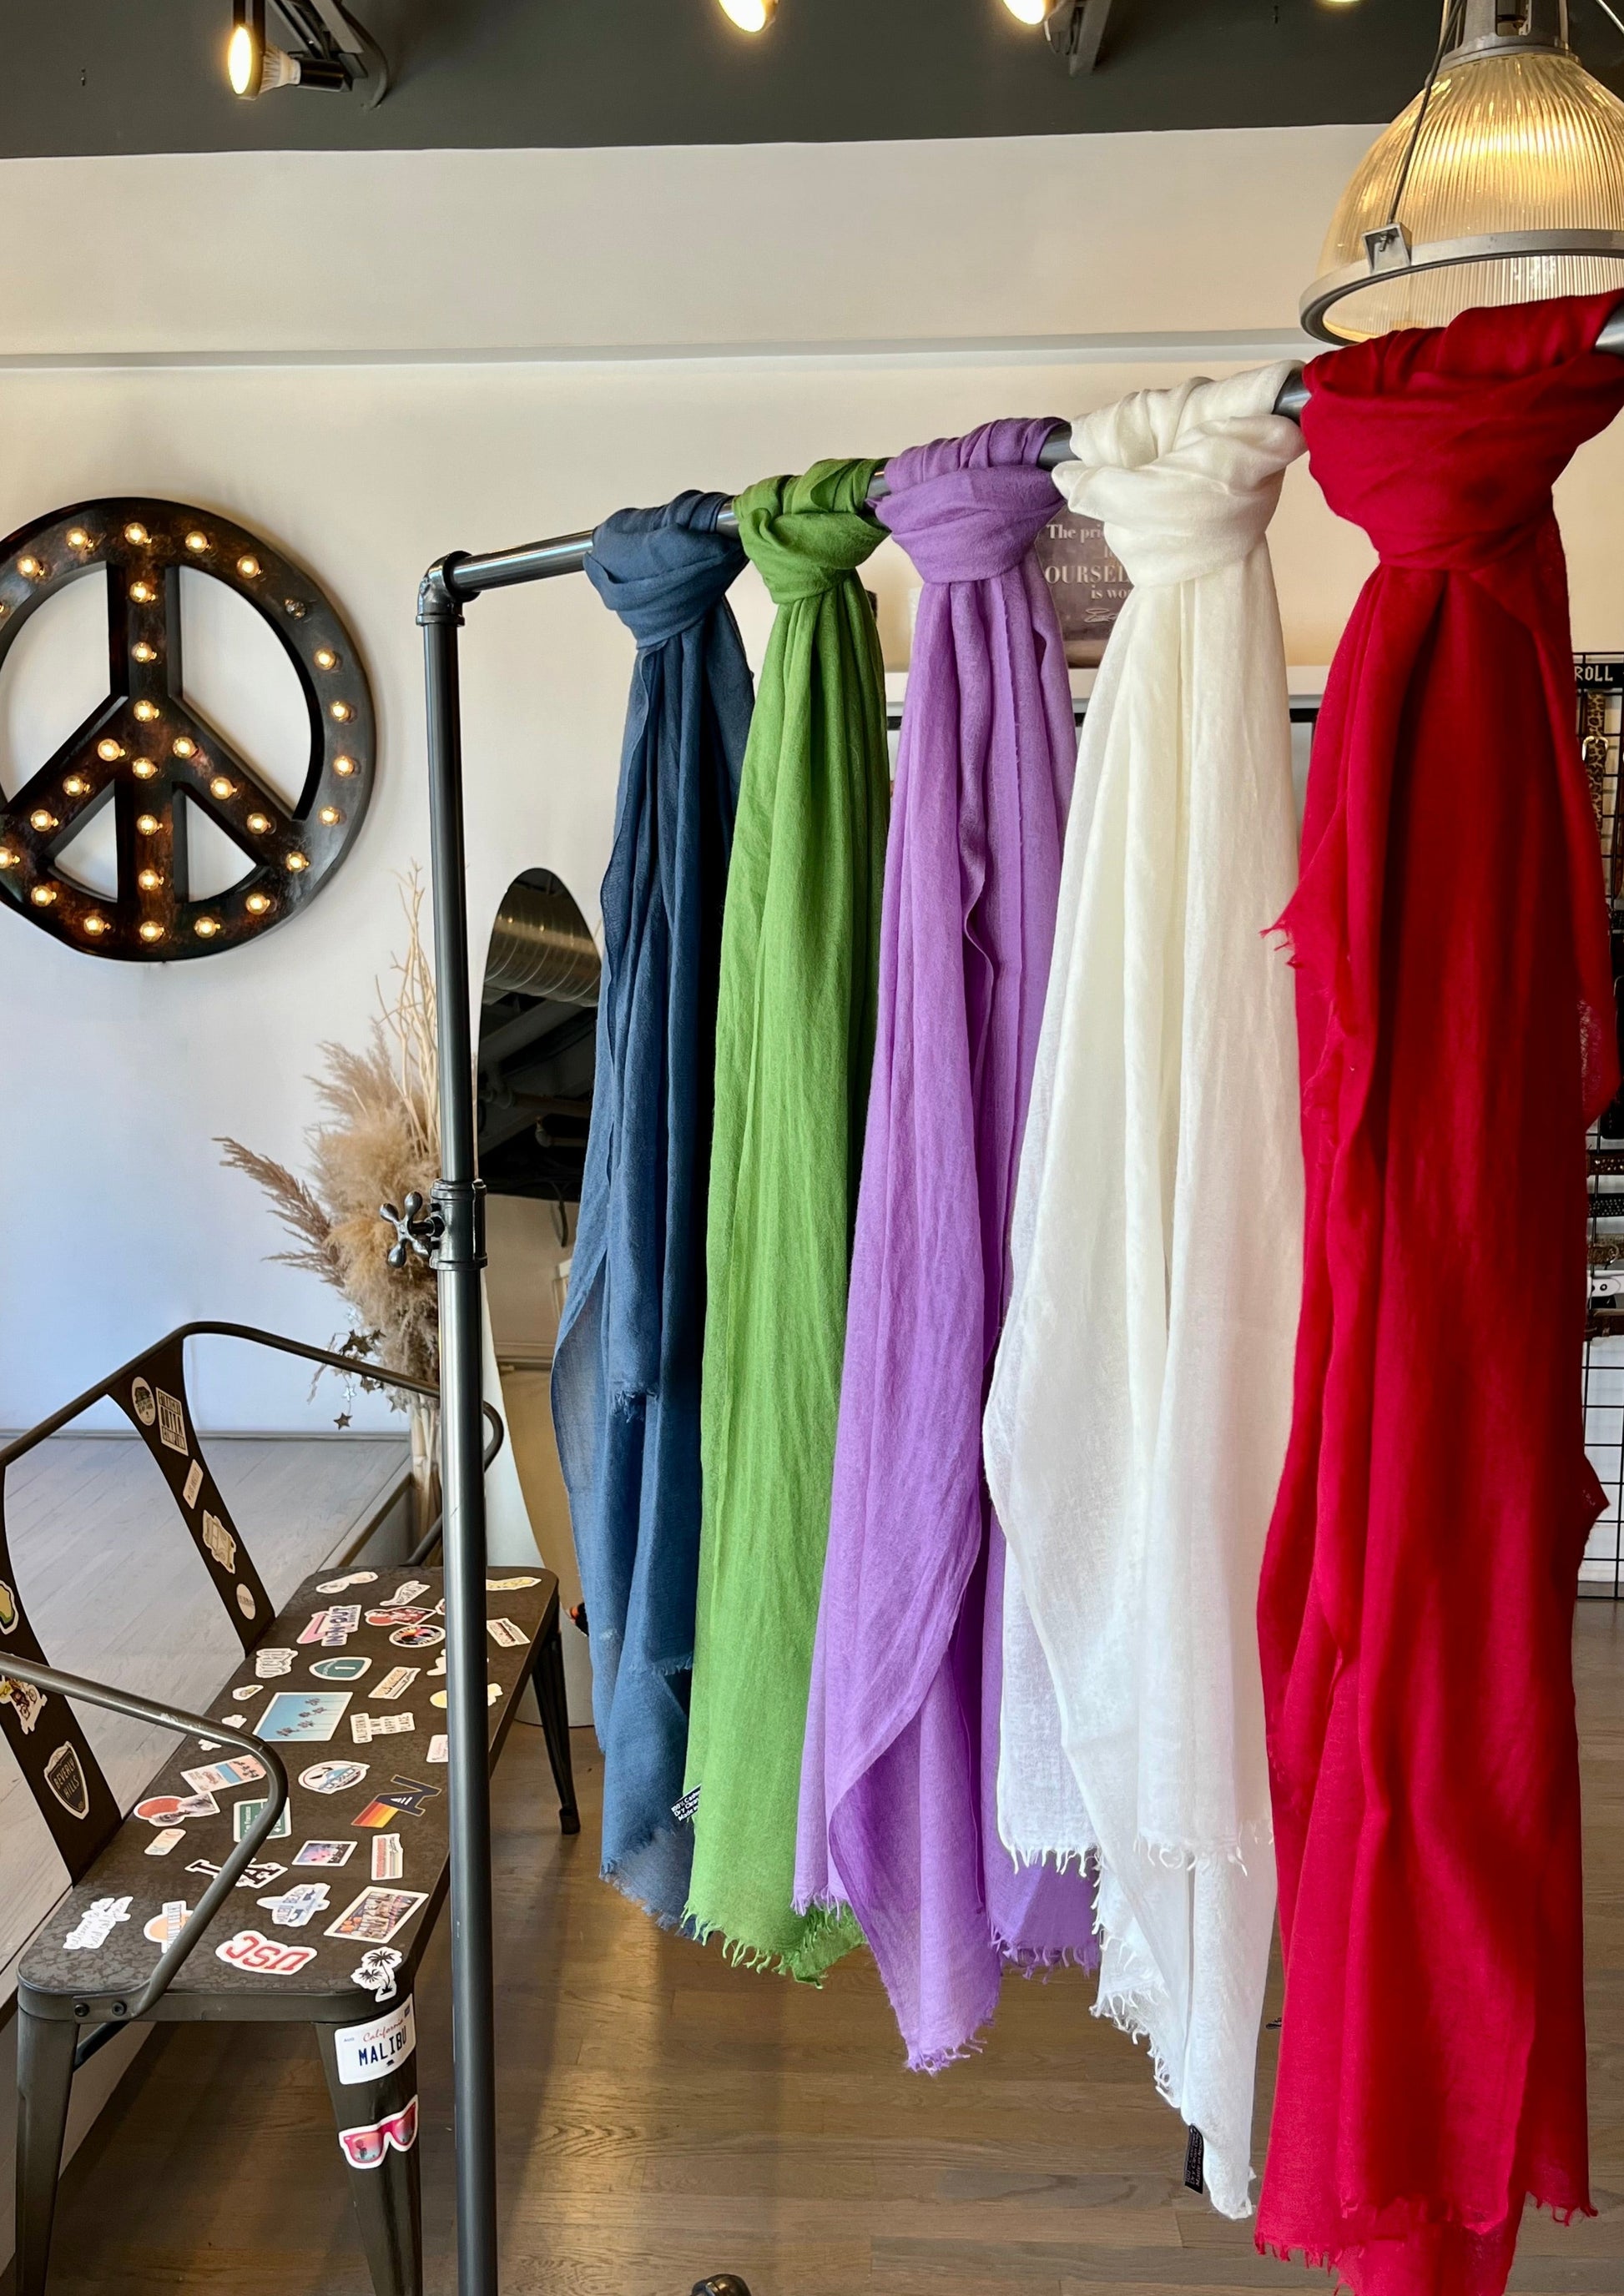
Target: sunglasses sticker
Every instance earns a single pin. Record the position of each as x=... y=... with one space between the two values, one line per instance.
x=338 y=1586
x=263 y=1955
x=366 y=2052
x=364 y=2148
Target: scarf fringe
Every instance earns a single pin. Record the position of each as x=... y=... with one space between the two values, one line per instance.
x=1423 y=2214
x=1179 y=1857
x=828 y=1923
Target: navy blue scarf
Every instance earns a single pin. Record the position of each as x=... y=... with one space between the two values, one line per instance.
x=626 y=1375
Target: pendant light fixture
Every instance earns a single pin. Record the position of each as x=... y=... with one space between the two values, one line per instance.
x=330 y=51
x=1501 y=183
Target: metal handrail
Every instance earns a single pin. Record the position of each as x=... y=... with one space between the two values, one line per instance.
x=116 y=2009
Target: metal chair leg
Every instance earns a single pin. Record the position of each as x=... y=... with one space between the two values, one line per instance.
x=553 y=1702
x=44 y=2081
x=388 y=2196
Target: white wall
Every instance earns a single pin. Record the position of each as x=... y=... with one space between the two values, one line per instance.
x=372 y=443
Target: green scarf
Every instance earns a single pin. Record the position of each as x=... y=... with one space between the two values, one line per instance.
x=794 y=1044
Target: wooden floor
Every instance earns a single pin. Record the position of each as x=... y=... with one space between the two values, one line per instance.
x=115 y=1590
x=663 y=2115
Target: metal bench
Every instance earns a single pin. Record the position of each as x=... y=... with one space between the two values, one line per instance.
x=232 y=1892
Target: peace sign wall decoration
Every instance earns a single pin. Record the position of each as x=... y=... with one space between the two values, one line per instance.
x=145 y=747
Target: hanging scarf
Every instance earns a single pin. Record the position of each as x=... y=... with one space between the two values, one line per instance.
x=1140 y=1403
x=795 y=1036
x=891 y=1813
x=1455 y=1022
x=625 y=1371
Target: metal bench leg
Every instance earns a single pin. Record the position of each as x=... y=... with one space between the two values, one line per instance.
x=553 y=1702
x=44 y=2078
x=387 y=2199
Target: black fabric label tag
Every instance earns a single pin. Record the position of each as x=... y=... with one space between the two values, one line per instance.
x=1196 y=2161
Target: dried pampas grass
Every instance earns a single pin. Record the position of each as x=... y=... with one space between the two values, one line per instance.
x=378 y=1140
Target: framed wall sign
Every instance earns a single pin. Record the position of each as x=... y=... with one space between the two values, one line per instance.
x=1087 y=582
x=148 y=753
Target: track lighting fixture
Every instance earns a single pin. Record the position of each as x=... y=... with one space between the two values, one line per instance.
x=750 y=16
x=1073 y=28
x=329 y=50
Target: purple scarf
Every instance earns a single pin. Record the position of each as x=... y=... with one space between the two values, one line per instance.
x=899 y=1777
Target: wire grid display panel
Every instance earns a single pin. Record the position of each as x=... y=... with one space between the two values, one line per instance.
x=1601 y=707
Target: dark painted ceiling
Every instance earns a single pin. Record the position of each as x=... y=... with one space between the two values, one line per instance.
x=81 y=75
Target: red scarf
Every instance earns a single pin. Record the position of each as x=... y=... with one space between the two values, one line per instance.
x=1455 y=1024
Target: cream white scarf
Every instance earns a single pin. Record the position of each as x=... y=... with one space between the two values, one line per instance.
x=1142 y=1394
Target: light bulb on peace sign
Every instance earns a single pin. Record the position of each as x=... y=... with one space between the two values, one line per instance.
x=145 y=747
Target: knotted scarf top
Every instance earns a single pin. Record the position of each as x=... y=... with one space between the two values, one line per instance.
x=1454 y=1017
x=626 y=1372
x=1139 y=1411
x=891 y=1817
x=794 y=1046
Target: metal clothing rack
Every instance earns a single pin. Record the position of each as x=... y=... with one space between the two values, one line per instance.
x=451 y=1231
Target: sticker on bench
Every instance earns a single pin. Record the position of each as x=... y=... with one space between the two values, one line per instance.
x=172 y=1423
x=340 y=1624
x=96 y=1924
x=389 y=1858
x=220 y=1541
x=366 y=2052
x=508 y=1586
x=253 y=1877
x=271 y=1662
x=26 y=1700
x=164 y=1928
x=337 y=1585
x=301 y=1714
x=365 y=1727
x=217 y=1777
x=365 y=2148
x=323 y=1853
x=419 y=1637
x=405 y=1797
x=192 y=1485
x=396 y=1614
x=246 y=1690
x=438 y=1666
x=243 y=1814
x=8 y=1609
x=438 y=1747
x=408 y=1590
x=264 y=1957
x=373 y=1918
x=163 y=1809
x=296 y=1906
x=313 y=1632
x=506 y=1635
x=332 y=1777
x=493 y=1691
x=340 y=1669
x=396 y=1683
x=160 y=1844
x=64 y=1774
x=376 y=1973
x=245 y=1602
x=142 y=1403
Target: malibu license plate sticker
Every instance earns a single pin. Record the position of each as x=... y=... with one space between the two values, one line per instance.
x=366 y=2052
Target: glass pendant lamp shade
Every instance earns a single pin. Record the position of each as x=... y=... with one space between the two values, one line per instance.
x=1501 y=183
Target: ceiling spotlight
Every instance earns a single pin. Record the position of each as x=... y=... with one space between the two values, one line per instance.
x=750 y=16
x=1032 y=12
x=328 y=50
